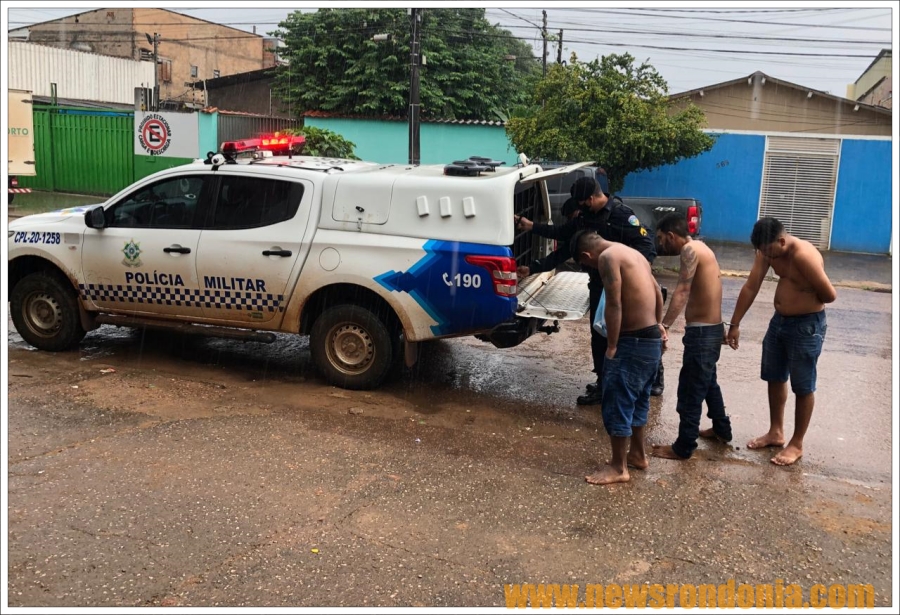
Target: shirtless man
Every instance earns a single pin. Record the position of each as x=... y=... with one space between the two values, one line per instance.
x=700 y=288
x=796 y=332
x=634 y=347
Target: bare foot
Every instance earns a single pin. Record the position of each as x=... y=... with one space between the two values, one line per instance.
x=789 y=455
x=637 y=461
x=710 y=433
x=767 y=440
x=665 y=451
x=608 y=475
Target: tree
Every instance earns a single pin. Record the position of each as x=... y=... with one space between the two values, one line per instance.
x=324 y=142
x=472 y=67
x=609 y=111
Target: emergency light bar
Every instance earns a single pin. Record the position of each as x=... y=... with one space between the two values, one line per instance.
x=274 y=142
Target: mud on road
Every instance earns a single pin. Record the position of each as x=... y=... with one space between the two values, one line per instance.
x=149 y=469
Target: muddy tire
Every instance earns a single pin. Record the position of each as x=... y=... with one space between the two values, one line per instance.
x=44 y=311
x=352 y=347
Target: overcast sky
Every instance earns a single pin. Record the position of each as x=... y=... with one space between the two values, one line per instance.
x=820 y=45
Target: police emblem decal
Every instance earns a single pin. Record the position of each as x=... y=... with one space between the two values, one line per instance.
x=132 y=252
x=633 y=221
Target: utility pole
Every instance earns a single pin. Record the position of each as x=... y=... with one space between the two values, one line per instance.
x=559 y=49
x=155 y=42
x=544 y=35
x=415 y=55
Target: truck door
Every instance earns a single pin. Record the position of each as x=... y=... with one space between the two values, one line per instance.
x=550 y=295
x=250 y=245
x=143 y=260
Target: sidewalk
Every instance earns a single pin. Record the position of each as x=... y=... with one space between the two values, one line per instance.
x=867 y=271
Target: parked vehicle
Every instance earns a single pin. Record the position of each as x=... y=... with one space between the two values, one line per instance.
x=649 y=210
x=21 y=141
x=367 y=259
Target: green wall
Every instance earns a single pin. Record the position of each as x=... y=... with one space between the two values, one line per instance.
x=388 y=141
x=148 y=165
x=81 y=151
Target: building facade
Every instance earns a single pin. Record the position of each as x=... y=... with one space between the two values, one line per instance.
x=819 y=163
x=875 y=85
x=188 y=49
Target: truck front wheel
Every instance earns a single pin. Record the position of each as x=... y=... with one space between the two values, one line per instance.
x=352 y=347
x=45 y=312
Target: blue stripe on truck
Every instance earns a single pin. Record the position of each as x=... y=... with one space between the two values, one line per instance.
x=457 y=307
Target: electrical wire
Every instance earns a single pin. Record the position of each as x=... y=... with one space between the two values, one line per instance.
x=742 y=21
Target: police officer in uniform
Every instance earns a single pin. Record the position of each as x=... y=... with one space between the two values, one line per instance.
x=614 y=221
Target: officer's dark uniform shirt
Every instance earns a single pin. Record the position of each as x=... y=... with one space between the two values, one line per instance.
x=615 y=222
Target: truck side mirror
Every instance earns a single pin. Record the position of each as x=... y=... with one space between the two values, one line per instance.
x=95 y=218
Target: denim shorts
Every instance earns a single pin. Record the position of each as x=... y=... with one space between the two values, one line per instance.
x=627 y=379
x=791 y=349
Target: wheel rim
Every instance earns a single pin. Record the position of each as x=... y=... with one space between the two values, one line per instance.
x=43 y=314
x=350 y=348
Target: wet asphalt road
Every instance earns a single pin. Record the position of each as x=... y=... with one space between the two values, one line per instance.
x=207 y=472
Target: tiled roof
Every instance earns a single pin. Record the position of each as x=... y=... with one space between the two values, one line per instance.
x=227 y=112
x=398 y=118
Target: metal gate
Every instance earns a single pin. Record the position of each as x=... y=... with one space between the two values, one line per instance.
x=799 y=179
x=83 y=151
x=237 y=127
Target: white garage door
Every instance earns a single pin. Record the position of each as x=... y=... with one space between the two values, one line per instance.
x=799 y=178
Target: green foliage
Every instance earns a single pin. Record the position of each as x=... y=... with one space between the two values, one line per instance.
x=334 y=65
x=609 y=111
x=325 y=143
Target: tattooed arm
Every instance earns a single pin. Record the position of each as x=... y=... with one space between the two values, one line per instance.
x=683 y=289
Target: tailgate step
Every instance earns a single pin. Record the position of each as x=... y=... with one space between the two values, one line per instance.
x=563 y=296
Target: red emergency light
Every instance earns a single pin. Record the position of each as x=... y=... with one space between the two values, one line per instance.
x=274 y=142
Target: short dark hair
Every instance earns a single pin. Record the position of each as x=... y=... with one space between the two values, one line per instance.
x=673 y=223
x=765 y=231
x=569 y=207
x=581 y=242
x=584 y=188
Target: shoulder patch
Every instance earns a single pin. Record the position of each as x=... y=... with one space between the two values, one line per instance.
x=633 y=221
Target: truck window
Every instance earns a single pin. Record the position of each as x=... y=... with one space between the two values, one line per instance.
x=251 y=202
x=170 y=203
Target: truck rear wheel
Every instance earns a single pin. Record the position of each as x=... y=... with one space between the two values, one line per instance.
x=352 y=347
x=44 y=311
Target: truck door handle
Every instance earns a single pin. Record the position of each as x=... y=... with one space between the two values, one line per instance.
x=276 y=252
x=178 y=249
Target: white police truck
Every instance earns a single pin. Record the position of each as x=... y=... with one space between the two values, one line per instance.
x=367 y=259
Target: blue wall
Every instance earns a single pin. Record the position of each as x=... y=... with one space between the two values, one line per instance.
x=726 y=180
x=388 y=141
x=862 y=210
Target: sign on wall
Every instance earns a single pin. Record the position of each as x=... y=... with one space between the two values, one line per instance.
x=170 y=135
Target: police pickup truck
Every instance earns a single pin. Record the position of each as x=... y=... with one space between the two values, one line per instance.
x=367 y=259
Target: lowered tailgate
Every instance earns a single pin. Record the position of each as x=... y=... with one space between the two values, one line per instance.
x=563 y=296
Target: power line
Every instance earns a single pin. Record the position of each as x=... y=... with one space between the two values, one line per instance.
x=668 y=48
x=522 y=18
x=733 y=11
x=729 y=36
x=743 y=21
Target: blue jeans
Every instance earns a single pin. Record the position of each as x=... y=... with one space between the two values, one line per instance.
x=791 y=348
x=696 y=383
x=627 y=379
